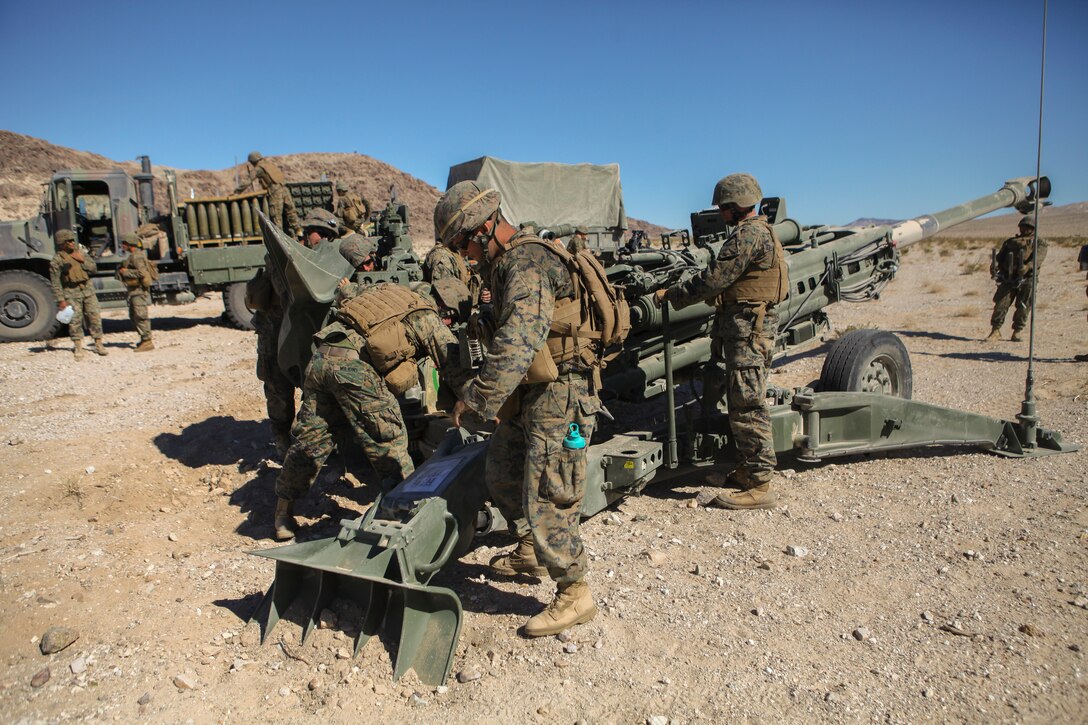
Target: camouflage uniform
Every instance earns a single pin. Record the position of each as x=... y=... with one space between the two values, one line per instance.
x=135 y=272
x=279 y=390
x=353 y=210
x=71 y=283
x=1014 y=282
x=442 y=262
x=741 y=344
x=535 y=482
x=342 y=388
x=281 y=206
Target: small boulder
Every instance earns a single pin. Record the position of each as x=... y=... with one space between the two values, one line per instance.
x=57 y=638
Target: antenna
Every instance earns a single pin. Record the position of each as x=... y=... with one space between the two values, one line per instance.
x=1027 y=417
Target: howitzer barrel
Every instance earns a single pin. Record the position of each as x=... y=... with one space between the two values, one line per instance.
x=1020 y=192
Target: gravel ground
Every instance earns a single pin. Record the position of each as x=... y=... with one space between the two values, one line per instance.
x=947 y=585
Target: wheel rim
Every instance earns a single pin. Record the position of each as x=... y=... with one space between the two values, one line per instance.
x=17 y=309
x=882 y=376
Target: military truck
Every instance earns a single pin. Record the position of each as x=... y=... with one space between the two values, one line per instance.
x=207 y=244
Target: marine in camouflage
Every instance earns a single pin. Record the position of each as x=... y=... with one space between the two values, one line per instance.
x=281 y=207
x=742 y=343
x=536 y=483
x=1013 y=268
x=353 y=210
x=135 y=273
x=69 y=276
x=442 y=262
x=279 y=390
x=342 y=389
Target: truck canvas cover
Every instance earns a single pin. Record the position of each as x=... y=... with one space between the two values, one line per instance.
x=549 y=193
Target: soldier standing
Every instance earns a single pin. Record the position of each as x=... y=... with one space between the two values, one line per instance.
x=745 y=281
x=280 y=203
x=353 y=209
x=136 y=274
x=536 y=482
x=1012 y=268
x=353 y=380
x=70 y=273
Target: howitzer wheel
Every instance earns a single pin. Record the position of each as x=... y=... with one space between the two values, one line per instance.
x=868 y=361
x=234 y=306
x=27 y=308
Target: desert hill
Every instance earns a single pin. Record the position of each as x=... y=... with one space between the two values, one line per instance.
x=28 y=162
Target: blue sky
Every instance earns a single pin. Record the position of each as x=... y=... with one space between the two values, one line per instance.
x=846 y=109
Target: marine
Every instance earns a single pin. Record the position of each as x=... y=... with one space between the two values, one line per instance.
x=266 y=295
x=535 y=481
x=137 y=274
x=281 y=207
x=70 y=273
x=745 y=281
x=361 y=361
x=1013 y=267
x=352 y=209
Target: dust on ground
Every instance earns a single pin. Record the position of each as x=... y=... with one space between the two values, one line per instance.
x=950 y=585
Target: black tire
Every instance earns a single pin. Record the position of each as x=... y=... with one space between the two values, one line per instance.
x=27 y=307
x=868 y=361
x=234 y=306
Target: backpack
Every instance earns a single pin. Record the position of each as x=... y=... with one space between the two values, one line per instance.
x=589 y=329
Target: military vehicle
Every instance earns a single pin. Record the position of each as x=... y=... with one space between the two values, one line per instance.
x=208 y=244
x=383 y=562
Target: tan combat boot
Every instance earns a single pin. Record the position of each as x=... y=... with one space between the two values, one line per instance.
x=284 y=526
x=994 y=336
x=1016 y=336
x=522 y=560
x=572 y=605
x=759 y=496
x=78 y=351
x=145 y=346
x=99 y=348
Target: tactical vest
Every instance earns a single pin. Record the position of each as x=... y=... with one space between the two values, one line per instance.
x=377 y=313
x=769 y=286
x=586 y=329
x=72 y=272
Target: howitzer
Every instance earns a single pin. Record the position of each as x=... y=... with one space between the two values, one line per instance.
x=826 y=265
x=384 y=561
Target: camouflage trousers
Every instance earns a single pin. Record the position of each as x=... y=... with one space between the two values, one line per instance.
x=279 y=391
x=1006 y=296
x=735 y=380
x=138 y=300
x=281 y=209
x=84 y=309
x=340 y=392
x=535 y=482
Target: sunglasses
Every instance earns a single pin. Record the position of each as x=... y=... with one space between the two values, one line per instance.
x=479 y=236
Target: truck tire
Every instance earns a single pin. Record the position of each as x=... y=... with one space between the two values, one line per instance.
x=234 y=306
x=27 y=308
x=868 y=361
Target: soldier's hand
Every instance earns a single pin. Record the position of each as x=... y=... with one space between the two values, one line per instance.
x=61 y=305
x=459 y=410
x=485 y=296
x=342 y=282
x=78 y=256
x=660 y=296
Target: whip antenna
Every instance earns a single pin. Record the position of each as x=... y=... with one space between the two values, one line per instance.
x=1027 y=417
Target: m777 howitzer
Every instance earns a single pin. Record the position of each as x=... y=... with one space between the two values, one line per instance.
x=382 y=564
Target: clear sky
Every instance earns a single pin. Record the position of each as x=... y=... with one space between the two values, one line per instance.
x=846 y=109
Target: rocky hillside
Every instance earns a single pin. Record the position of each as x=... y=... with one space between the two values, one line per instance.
x=27 y=162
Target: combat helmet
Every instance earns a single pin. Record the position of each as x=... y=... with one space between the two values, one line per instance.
x=464 y=207
x=322 y=219
x=740 y=189
x=341 y=187
x=357 y=249
x=132 y=240
x=65 y=235
x=254 y=157
x=1027 y=221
